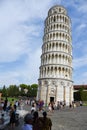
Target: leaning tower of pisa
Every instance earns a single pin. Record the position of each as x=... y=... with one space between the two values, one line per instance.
x=55 y=79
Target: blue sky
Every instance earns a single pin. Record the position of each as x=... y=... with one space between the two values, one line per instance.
x=21 y=32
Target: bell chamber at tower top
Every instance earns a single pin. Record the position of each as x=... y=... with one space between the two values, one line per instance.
x=58 y=14
x=57 y=9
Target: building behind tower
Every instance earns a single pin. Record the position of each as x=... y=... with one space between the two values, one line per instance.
x=55 y=79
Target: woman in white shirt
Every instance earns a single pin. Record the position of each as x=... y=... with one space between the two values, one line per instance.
x=33 y=108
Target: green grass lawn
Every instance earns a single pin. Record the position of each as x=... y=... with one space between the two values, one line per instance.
x=10 y=99
x=84 y=104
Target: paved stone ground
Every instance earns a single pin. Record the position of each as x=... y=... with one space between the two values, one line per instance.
x=66 y=119
x=75 y=119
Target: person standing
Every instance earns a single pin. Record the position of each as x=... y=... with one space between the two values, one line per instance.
x=47 y=123
x=33 y=109
x=37 y=122
x=5 y=104
x=28 y=121
x=12 y=117
x=50 y=107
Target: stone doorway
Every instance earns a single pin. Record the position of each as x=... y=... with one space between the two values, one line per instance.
x=51 y=99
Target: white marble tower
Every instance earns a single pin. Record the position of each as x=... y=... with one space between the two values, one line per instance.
x=55 y=80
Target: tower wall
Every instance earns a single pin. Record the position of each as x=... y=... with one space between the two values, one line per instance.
x=55 y=80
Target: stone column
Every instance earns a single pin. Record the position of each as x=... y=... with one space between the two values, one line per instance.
x=46 y=94
x=64 y=89
x=0 y=96
x=56 y=94
x=40 y=91
x=70 y=95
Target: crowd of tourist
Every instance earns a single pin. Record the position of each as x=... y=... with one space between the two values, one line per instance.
x=32 y=121
x=9 y=109
x=43 y=123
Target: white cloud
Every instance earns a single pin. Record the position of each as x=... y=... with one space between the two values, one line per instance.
x=80 y=78
x=14 y=37
x=8 y=78
x=81 y=26
x=80 y=62
x=26 y=73
x=83 y=7
x=21 y=29
x=17 y=30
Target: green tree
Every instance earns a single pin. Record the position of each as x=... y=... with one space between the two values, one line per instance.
x=4 y=91
x=22 y=89
x=0 y=90
x=13 y=91
x=81 y=94
x=34 y=88
x=29 y=91
x=84 y=95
